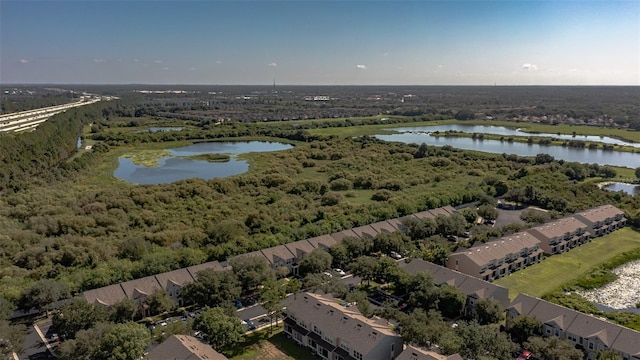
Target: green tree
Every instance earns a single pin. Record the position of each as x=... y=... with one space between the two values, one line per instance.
x=212 y=288
x=272 y=293
x=387 y=270
x=451 y=301
x=251 y=271
x=75 y=316
x=608 y=354
x=553 y=348
x=220 y=329
x=360 y=299
x=488 y=212
x=159 y=302
x=523 y=327
x=423 y=291
x=488 y=311
x=42 y=294
x=365 y=267
x=85 y=345
x=637 y=172
x=123 y=311
x=123 y=342
x=11 y=338
x=479 y=339
x=315 y=262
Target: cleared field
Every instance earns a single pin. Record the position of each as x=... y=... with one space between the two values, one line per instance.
x=556 y=270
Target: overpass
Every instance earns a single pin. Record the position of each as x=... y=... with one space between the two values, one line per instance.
x=30 y=119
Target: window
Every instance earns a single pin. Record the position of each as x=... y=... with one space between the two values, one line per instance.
x=316 y=330
x=357 y=355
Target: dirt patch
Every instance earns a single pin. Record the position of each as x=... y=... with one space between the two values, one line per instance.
x=268 y=351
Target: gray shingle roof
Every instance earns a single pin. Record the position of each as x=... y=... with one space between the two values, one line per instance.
x=348 y=324
x=106 y=296
x=184 y=347
x=416 y=353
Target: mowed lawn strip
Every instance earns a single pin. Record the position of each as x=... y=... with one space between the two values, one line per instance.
x=557 y=270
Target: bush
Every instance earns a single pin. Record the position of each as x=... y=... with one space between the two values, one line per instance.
x=381 y=195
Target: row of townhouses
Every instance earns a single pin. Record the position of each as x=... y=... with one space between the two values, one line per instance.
x=498 y=258
x=586 y=332
x=335 y=332
x=288 y=255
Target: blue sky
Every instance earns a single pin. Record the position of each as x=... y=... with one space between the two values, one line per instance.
x=321 y=42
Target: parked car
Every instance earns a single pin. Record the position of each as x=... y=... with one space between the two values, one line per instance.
x=525 y=355
x=250 y=324
x=340 y=272
x=238 y=304
x=395 y=255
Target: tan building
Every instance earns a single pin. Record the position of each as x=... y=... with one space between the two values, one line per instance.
x=279 y=256
x=602 y=219
x=497 y=258
x=173 y=281
x=561 y=235
x=183 y=347
x=105 y=296
x=335 y=332
x=587 y=332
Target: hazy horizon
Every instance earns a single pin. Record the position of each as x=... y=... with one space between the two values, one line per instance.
x=302 y=43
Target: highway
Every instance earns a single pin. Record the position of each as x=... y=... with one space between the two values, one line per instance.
x=28 y=120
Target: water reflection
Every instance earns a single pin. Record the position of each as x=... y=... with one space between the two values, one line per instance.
x=172 y=169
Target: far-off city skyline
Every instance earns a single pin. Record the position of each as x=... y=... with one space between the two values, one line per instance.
x=321 y=43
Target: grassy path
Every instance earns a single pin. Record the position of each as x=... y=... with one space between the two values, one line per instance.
x=556 y=270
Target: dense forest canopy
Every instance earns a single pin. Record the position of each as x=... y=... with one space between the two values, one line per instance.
x=65 y=217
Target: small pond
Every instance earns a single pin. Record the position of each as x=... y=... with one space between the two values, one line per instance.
x=176 y=167
x=630 y=189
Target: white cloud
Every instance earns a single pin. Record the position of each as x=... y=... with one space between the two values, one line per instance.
x=530 y=67
x=385 y=54
x=23 y=61
x=165 y=68
x=157 y=61
x=99 y=60
x=439 y=66
x=135 y=60
x=361 y=67
x=273 y=65
x=219 y=62
x=192 y=69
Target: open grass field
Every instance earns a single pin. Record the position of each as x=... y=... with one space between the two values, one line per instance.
x=557 y=270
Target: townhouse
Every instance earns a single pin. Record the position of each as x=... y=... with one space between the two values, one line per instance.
x=498 y=258
x=474 y=288
x=335 y=332
x=561 y=235
x=602 y=219
x=501 y=257
x=183 y=347
x=586 y=332
x=288 y=255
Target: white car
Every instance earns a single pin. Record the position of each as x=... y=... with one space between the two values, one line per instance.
x=340 y=272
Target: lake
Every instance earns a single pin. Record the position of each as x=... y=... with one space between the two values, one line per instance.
x=174 y=168
x=501 y=130
x=418 y=135
x=630 y=189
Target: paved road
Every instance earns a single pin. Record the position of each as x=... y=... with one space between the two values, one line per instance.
x=34 y=348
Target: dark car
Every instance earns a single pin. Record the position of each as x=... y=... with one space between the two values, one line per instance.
x=250 y=324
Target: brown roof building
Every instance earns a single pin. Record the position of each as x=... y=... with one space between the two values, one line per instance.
x=337 y=332
x=587 y=332
x=561 y=235
x=183 y=347
x=105 y=296
x=497 y=258
x=279 y=256
x=602 y=219
x=173 y=282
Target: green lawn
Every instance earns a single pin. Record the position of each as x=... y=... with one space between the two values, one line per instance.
x=557 y=270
